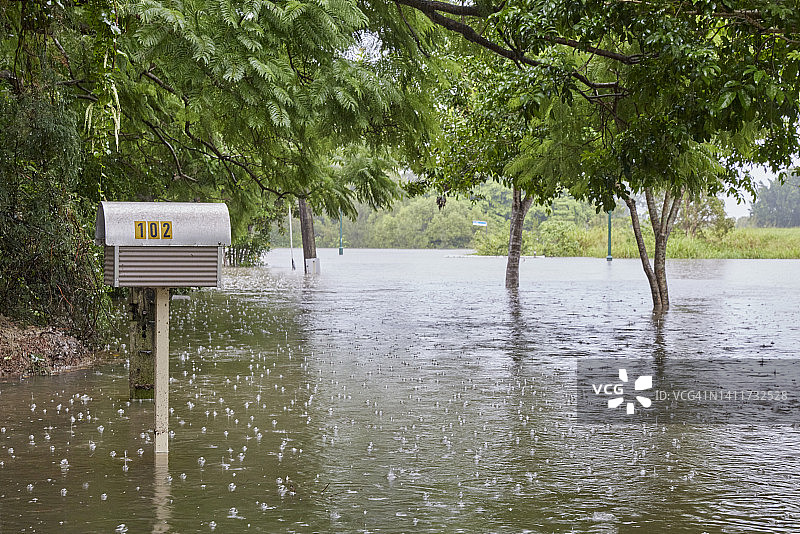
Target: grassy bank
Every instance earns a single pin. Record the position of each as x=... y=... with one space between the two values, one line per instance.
x=751 y=243
x=738 y=243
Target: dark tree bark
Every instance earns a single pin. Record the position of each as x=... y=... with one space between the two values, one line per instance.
x=662 y=223
x=307 y=231
x=519 y=209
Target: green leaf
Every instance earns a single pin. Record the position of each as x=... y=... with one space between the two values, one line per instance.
x=725 y=100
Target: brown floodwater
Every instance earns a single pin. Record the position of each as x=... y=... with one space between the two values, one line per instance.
x=408 y=391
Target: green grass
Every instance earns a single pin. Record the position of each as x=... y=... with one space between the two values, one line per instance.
x=751 y=243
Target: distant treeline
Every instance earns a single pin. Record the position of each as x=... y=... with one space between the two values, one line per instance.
x=419 y=223
x=777 y=204
x=567 y=228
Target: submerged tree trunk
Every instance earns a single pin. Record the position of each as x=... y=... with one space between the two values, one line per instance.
x=307 y=232
x=662 y=223
x=519 y=209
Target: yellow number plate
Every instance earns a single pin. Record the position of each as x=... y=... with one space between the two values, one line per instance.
x=152 y=229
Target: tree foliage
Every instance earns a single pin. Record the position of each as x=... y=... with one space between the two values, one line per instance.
x=50 y=268
x=273 y=94
x=704 y=216
x=418 y=222
x=674 y=96
x=778 y=203
x=250 y=102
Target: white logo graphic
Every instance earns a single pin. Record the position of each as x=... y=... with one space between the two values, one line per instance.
x=642 y=383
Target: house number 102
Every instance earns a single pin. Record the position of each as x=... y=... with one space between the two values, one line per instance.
x=152 y=229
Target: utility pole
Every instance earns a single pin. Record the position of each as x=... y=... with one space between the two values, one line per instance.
x=291 y=243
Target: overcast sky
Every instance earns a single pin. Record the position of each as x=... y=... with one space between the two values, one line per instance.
x=761 y=175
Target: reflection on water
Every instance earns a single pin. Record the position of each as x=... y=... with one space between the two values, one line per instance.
x=161 y=495
x=409 y=391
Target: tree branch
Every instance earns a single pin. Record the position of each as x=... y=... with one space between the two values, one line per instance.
x=166 y=143
x=665 y=211
x=163 y=85
x=451 y=9
x=673 y=212
x=469 y=33
x=430 y=7
x=15 y=82
x=66 y=57
x=413 y=33
x=616 y=56
x=225 y=159
x=655 y=218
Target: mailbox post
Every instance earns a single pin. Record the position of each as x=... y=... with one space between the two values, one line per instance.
x=153 y=246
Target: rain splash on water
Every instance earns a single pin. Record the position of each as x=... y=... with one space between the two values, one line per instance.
x=408 y=391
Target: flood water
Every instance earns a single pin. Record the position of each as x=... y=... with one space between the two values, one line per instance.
x=408 y=391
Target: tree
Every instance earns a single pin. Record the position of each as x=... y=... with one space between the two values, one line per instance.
x=49 y=269
x=679 y=95
x=276 y=97
x=254 y=103
x=704 y=216
x=488 y=119
x=778 y=203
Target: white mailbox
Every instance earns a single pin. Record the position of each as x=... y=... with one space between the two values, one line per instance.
x=162 y=244
x=159 y=245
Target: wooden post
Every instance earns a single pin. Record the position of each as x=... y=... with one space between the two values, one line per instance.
x=142 y=331
x=161 y=346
